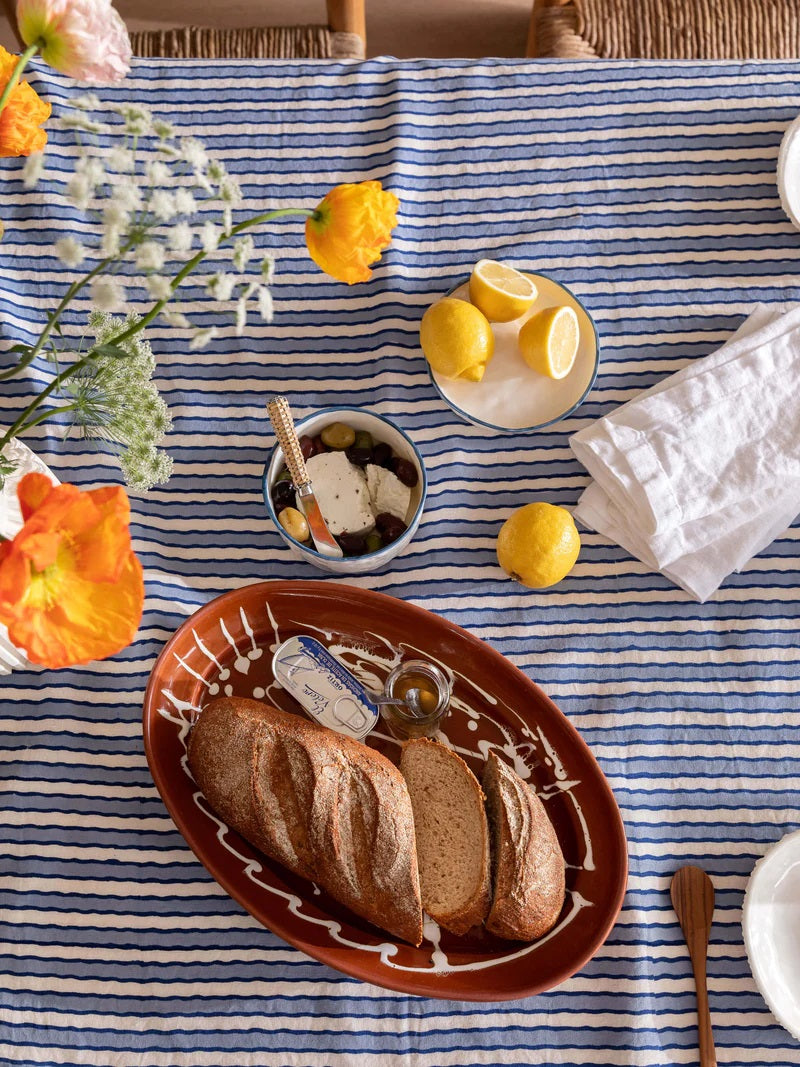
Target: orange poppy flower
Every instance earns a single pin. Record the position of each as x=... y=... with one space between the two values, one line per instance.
x=350 y=228
x=23 y=114
x=71 y=588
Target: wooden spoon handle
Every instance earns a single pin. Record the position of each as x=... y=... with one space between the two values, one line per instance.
x=708 y=1055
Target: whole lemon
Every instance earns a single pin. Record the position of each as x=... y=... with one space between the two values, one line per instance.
x=457 y=339
x=538 y=544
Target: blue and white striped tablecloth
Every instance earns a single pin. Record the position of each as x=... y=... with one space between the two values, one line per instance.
x=647 y=188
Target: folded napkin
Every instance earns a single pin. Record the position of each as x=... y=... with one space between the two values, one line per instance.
x=701 y=472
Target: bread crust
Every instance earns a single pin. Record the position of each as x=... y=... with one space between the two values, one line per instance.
x=325 y=806
x=527 y=862
x=473 y=911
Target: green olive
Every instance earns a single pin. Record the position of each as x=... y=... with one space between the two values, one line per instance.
x=374 y=541
x=294 y=523
x=338 y=436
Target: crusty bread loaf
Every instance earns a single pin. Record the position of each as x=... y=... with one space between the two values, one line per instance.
x=452 y=834
x=527 y=863
x=325 y=806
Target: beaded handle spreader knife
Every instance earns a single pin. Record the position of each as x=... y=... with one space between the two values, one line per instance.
x=282 y=423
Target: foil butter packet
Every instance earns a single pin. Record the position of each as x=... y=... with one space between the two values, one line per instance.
x=324 y=687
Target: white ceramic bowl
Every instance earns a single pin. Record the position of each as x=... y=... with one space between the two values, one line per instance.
x=771 y=927
x=512 y=398
x=382 y=430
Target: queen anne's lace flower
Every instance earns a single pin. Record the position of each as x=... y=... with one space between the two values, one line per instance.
x=185 y=203
x=115 y=216
x=194 y=152
x=111 y=242
x=138 y=120
x=107 y=293
x=220 y=286
x=210 y=237
x=122 y=160
x=128 y=195
x=265 y=308
x=176 y=318
x=150 y=256
x=180 y=237
x=70 y=252
x=117 y=402
x=113 y=397
x=162 y=129
x=159 y=287
x=203 y=337
x=33 y=170
x=267 y=269
x=162 y=204
x=215 y=170
x=79 y=191
x=158 y=173
x=242 y=252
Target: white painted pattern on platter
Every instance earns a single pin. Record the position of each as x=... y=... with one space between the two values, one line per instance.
x=362 y=662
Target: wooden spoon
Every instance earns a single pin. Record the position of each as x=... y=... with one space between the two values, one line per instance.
x=693 y=900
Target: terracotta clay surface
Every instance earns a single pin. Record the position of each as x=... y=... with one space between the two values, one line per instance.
x=226 y=649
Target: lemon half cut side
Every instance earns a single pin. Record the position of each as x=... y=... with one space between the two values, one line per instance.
x=499 y=291
x=549 y=341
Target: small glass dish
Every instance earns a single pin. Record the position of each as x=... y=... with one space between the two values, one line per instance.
x=435 y=690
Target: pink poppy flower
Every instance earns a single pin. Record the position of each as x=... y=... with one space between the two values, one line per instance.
x=85 y=39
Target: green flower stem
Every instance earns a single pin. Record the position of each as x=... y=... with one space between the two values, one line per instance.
x=190 y=264
x=22 y=63
x=46 y=415
x=29 y=357
x=24 y=422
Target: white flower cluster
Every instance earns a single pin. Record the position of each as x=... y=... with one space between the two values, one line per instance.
x=154 y=216
x=114 y=400
x=161 y=213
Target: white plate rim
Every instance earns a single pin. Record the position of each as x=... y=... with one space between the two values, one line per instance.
x=786 y=142
x=539 y=425
x=788 y=841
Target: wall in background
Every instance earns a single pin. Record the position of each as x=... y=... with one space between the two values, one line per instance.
x=412 y=28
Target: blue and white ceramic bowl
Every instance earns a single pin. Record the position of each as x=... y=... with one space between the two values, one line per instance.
x=382 y=429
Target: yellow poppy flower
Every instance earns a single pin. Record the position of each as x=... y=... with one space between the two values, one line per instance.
x=350 y=228
x=71 y=587
x=23 y=114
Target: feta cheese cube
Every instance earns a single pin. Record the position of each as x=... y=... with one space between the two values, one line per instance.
x=341 y=491
x=387 y=493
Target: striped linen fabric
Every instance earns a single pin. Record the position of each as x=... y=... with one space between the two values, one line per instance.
x=650 y=190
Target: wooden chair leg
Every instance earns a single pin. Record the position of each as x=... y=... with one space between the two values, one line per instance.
x=10 y=12
x=348 y=16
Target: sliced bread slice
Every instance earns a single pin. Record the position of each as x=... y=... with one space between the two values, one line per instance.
x=451 y=832
x=527 y=862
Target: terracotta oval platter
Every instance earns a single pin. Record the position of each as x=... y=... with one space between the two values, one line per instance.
x=226 y=648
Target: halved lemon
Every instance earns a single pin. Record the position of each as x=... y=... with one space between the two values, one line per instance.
x=499 y=291
x=549 y=341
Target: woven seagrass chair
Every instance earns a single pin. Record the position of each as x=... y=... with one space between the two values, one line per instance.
x=665 y=29
x=344 y=37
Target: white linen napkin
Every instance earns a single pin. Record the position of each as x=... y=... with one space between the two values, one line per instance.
x=701 y=472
